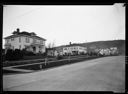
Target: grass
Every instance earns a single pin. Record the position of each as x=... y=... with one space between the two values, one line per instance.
x=54 y=64
x=6 y=64
x=9 y=72
x=30 y=61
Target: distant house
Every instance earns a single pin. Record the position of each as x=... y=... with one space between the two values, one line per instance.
x=59 y=50
x=114 y=50
x=109 y=51
x=72 y=49
x=105 y=51
x=51 y=52
x=21 y=41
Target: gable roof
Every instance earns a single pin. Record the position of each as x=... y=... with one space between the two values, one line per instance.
x=13 y=36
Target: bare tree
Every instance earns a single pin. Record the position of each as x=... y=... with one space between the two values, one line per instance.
x=51 y=45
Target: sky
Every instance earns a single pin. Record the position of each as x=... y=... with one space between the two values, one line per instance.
x=61 y=24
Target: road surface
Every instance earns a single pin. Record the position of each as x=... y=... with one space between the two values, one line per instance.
x=102 y=74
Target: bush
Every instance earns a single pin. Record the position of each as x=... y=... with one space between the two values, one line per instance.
x=13 y=54
x=3 y=57
x=9 y=55
x=28 y=53
x=18 y=54
x=59 y=57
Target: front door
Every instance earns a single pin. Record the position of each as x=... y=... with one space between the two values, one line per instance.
x=34 y=49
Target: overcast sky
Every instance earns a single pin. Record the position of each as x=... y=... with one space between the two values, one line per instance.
x=63 y=24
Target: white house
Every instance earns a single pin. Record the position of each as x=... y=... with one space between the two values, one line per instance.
x=105 y=51
x=114 y=50
x=108 y=51
x=74 y=49
x=71 y=49
x=32 y=43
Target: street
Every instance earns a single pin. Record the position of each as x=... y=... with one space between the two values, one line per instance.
x=102 y=74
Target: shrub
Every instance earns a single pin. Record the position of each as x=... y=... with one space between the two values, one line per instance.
x=59 y=57
x=13 y=54
x=3 y=57
x=18 y=54
x=9 y=55
x=28 y=53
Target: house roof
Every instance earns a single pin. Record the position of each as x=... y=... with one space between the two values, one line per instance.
x=13 y=36
x=61 y=47
x=74 y=45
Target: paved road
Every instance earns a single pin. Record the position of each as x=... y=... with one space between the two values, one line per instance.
x=102 y=74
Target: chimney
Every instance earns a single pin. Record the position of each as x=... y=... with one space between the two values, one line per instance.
x=70 y=43
x=18 y=30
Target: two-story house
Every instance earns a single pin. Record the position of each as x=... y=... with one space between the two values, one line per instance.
x=31 y=42
x=74 y=49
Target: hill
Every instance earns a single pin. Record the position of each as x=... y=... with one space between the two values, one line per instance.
x=120 y=44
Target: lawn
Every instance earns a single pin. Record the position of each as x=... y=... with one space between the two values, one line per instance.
x=52 y=64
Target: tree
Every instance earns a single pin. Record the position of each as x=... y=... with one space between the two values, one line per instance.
x=9 y=55
x=51 y=44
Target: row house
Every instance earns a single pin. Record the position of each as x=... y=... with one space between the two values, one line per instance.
x=114 y=50
x=32 y=43
x=108 y=51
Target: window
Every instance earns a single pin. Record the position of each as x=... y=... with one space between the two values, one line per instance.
x=19 y=39
x=13 y=47
x=7 y=40
x=41 y=41
x=12 y=39
x=34 y=40
x=25 y=46
x=19 y=46
x=27 y=39
x=65 y=48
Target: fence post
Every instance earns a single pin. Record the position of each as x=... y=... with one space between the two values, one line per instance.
x=40 y=66
x=46 y=60
x=69 y=57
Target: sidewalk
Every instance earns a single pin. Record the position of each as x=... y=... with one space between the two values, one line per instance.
x=20 y=70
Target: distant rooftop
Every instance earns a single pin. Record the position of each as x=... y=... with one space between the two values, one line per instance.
x=69 y=45
x=17 y=33
x=13 y=36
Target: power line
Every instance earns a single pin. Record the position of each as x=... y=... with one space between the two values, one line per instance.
x=27 y=12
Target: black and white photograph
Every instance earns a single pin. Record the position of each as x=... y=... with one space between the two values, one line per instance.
x=64 y=48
